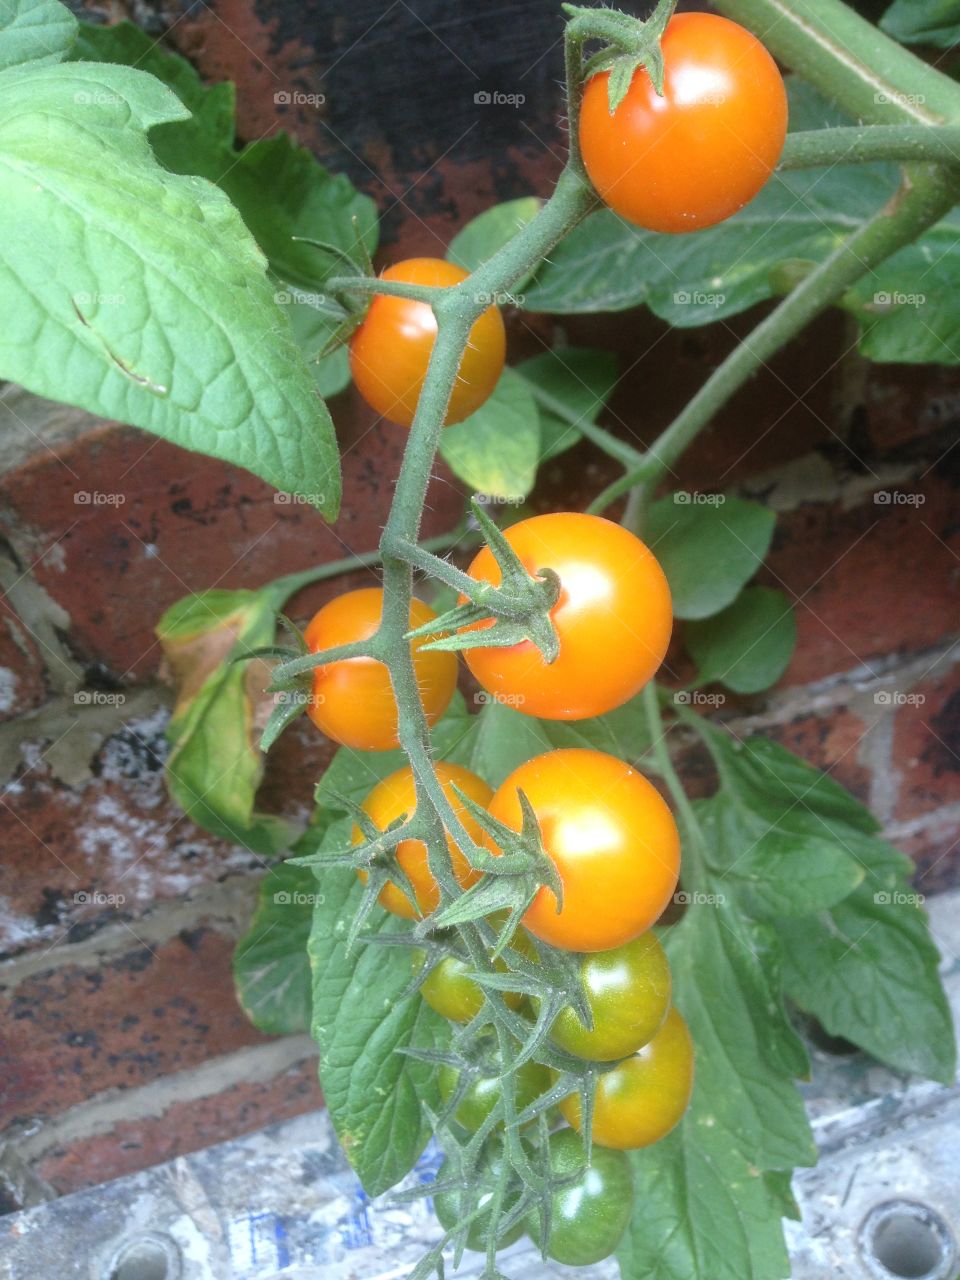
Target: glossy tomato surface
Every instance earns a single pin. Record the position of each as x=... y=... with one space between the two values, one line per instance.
x=591 y=1212
x=628 y=991
x=532 y=1079
x=640 y=1100
x=394 y=798
x=613 y=619
x=353 y=699
x=390 y=350
x=451 y=1208
x=612 y=838
x=696 y=155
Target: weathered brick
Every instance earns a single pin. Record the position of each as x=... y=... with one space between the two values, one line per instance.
x=833 y=740
x=74 y=1032
x=935 y=848
x=137 y=1144
x=927 y=744
x=22 y=684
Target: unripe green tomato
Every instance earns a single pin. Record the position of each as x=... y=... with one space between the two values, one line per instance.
x=450 y=1210
x=448 y=990
x=628 y=991
x=589 y=1215
x=532 y=1079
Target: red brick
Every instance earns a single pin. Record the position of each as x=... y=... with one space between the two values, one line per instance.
x=22 y=685
x=185 y=523
x=927 y=745
x=184 y=1127
x=870 y=581
x=74 y=1031
x=831 y=741
x=116 y=834
x=936 y=851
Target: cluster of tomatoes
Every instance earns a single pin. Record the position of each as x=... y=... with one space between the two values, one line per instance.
x=671 y=162
x=610 y=835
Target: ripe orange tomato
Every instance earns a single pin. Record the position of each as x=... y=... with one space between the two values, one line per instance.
x=390 y=350
x=702 y=151
x=613 y=619
x=353 y=699
x=639 y=1101
x=396 y=796
x=613 y=840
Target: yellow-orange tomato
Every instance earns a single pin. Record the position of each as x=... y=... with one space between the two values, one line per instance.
x=612 y=838
x=390 y=350
x=613 y=619
x=396 y=796
x=640 y=1100
x=696 y=155
x=353 y=699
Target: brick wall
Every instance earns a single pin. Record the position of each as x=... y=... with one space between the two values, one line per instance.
x=122 y=1043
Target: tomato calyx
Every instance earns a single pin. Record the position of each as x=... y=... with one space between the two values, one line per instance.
x=628 y=45
x=519 y=607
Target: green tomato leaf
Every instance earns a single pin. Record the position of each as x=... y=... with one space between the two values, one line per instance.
x=708 y=550
x=935 y=22
x=489 y=231
x=573 y=382
x=496 y=450
x=865 y=966
x=34 y=33
x=374 y=1094
x=748 y=645
x=152 y=297
x=271 y=971
x=215 y=766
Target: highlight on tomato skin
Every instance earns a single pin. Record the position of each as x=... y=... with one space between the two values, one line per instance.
x=394 y=797
x=699 y=153
x=610 y=835
x=352 y=700
x=390 y=349
x=613 y=618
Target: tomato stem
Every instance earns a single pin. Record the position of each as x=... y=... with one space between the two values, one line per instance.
x=869 y=143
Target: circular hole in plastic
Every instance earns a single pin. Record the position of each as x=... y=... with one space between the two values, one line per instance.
x=906 y=1241
x=146 y=1258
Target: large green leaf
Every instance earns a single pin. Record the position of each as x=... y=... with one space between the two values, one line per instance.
x=35 y=32
x=865 y=966
x=145 y=298
x=270 y=966
x=801 y=215
x=708 y=549
x=215 y=765
x=935 y=22
x=375 y=1095
x=496 y=450
x=748 y=645
x=568 y=383
x=489 y=231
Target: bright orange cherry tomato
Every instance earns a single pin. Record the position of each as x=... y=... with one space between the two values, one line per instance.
x=639 y=1101
x=353 y=699
x=702 y=151
x=396 y=796
x=390 y=350
x=613 y=619
x=613 y=840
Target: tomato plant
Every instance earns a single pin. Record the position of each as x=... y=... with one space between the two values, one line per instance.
x=612 y=619
x=564 y=617
x=698 y=152
x=390 y=350
x=589 y=1213
x=641 y=1099
x=352 y=700
x=611 y=837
